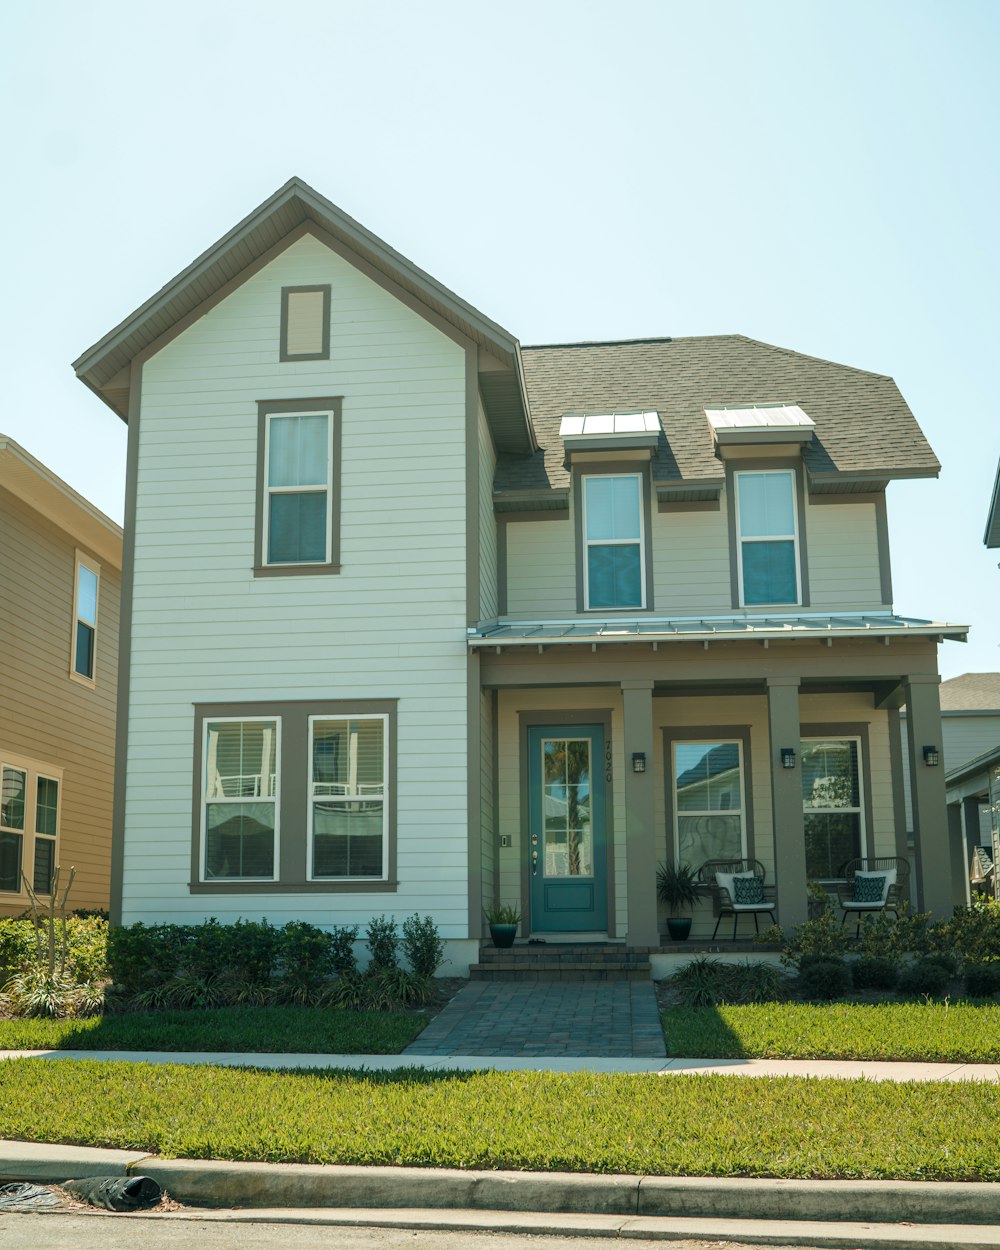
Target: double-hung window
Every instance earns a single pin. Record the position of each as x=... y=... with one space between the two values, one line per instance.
x=240 y=798
x=83 y=646
x=614 y=558
x=768 y=539
x=708 y=801
x=298 y=487
x=298 y=516
x=29 y=825
x=348 y=817
x=833 y=804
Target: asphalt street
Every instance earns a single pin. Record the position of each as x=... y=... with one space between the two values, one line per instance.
x=58 y=1231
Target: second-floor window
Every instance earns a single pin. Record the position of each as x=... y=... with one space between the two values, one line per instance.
x=84 y=641
x=767 y=538
x=614 y=552
x=298 y=515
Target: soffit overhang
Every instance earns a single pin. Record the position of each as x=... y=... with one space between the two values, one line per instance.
x=104 y=366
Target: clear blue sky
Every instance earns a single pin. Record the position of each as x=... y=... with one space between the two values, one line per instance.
x=820 y=176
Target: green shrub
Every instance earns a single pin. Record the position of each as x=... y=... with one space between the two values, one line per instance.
x=885 y=934
x=342 y=956
x=930 y=975
x=383 y=941
x=982 y=980
x=756 y=982
x=871 y=972
x=825 y=936
x=422 y=945
x=972 y=932
x=824 y=978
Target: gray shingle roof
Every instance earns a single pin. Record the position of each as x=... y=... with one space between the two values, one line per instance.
x=972 y=692
x=863 y=424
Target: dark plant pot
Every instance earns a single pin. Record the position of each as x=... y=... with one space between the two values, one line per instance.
x=504 y=934
x=679 y=929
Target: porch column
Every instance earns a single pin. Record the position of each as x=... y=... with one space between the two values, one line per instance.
x=640 y=815
x=930 y=822
x=786 y=799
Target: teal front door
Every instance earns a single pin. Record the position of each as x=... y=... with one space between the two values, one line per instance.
x=567 y=849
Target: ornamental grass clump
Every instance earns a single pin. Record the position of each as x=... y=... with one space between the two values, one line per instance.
x=705 y=982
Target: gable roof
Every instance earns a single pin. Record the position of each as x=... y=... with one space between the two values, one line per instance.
x=104 y=366
x=865 y=432
x=37 y=486
x=992 y=536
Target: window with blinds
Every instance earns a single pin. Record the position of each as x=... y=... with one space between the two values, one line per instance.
x=347 y=801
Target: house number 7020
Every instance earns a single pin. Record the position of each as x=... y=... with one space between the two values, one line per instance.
x=607 y=761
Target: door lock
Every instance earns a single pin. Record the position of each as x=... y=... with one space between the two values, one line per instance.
x=534 y=863
x=534 y=839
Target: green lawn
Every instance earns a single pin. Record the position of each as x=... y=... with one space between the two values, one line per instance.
x=281 y=1029
x=580 y=1122
x=956 y=1032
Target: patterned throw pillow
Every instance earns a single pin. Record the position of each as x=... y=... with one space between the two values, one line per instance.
x=868 y=889
x=748 y=890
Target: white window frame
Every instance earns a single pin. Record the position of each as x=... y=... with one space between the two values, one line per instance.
x=312 y=797
x=270 y=490
x=33 y=770
x=613 y=542
x=677 y=813
x=84 y=561
x=241 y=798
x=768 y=538
x=860 y=809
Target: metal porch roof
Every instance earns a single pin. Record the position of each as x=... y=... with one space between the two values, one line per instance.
x=715 y=628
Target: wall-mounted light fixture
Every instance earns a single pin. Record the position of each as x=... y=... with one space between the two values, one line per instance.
x=638 y=761
x=931 y=757
x=787 y=757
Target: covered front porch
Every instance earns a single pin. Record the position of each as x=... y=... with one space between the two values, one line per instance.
x=606 y=761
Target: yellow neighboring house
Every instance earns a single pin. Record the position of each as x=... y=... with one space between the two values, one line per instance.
x=60 y=579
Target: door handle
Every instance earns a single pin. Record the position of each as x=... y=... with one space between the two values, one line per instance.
x=534 y=863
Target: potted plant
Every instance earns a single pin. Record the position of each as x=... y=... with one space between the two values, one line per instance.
x=677 y=886
x=503 y=919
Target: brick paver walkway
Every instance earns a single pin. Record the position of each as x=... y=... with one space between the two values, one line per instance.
x=491 y=1018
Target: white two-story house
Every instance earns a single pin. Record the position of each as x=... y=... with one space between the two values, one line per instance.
x=416 y=618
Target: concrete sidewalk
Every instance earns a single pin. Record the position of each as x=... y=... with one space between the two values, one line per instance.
x=844 y=1069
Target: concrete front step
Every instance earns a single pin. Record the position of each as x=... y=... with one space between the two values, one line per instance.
x=556 y=970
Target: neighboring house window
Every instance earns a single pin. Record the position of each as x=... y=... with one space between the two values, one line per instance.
x=614 y=569
x=29 y=831
x=84 y=640
x=295 y=796
x=833 y=803
x=240 y=820
x=347 y=810
x=46 y=828
x=305 y=323
x=708 y=802
x=298 y=477
x=768 y=542
x=13 y=794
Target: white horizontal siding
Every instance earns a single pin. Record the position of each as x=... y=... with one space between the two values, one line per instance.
x=390 y=626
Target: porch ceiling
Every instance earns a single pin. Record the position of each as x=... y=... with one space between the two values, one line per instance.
x=719 y=628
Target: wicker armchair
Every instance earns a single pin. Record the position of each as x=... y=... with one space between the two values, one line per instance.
x=723 y=893
x=894 y=890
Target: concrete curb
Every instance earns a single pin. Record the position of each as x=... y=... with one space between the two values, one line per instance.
x=210 y=1182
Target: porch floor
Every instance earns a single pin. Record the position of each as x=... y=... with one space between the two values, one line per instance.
x=493 y=1018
